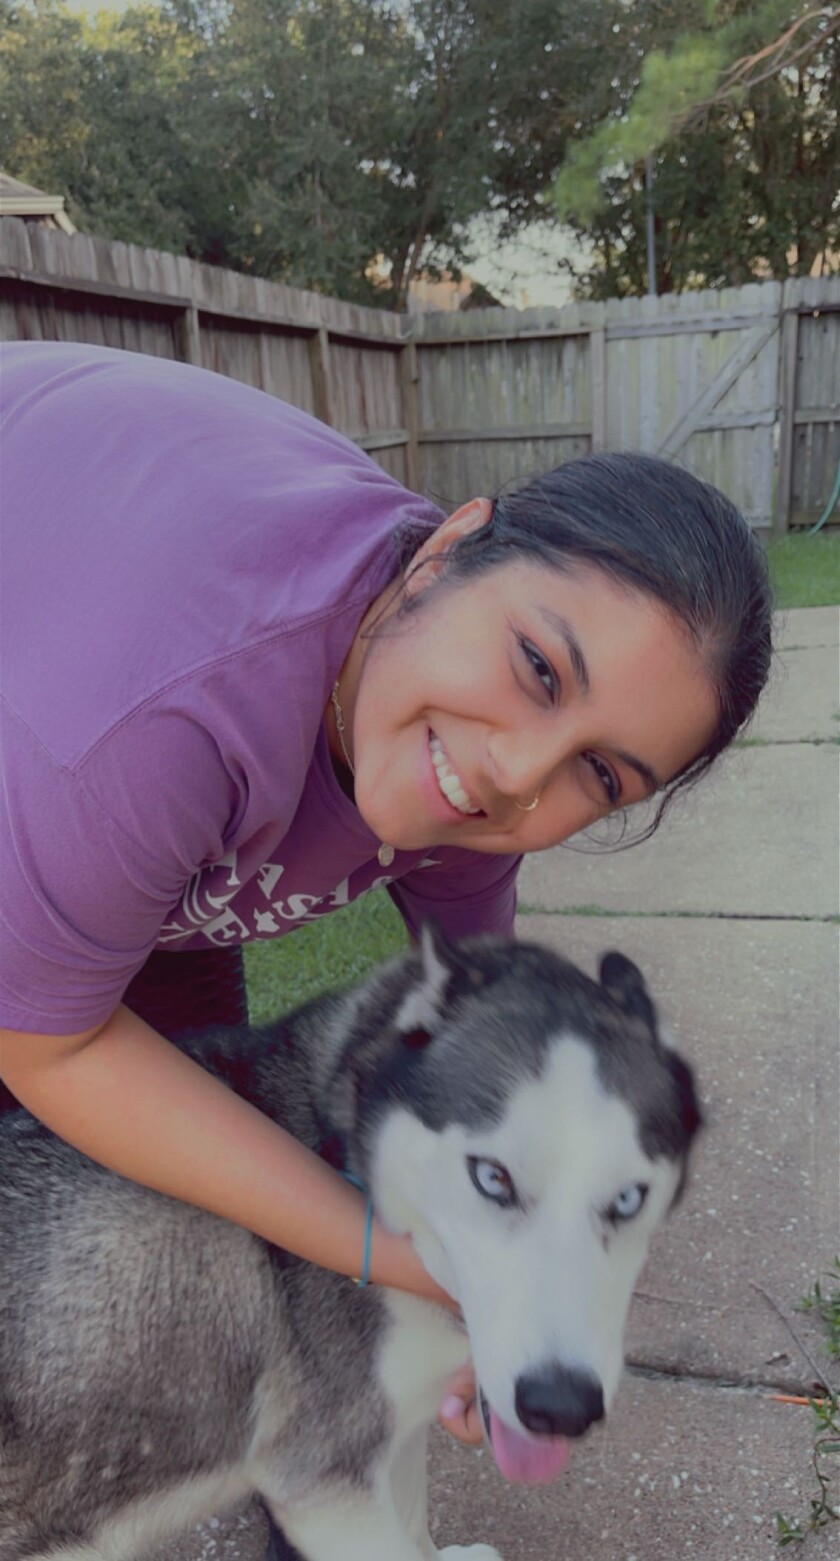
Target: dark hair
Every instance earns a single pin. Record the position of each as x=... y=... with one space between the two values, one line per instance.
x=661 y=531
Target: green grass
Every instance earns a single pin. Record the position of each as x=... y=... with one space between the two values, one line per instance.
x=334 y=951
x=806 y=570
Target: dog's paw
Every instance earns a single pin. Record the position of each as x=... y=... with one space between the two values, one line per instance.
x=469 y=1553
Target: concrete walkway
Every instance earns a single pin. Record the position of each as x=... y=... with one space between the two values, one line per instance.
x=731 y=912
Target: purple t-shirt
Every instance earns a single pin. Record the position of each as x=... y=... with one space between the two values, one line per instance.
x=185 y=562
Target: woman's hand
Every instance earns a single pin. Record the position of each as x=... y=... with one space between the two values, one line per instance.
x=459 y=1411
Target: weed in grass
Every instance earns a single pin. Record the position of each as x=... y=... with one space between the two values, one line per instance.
x=825 y=1458
x=827 y=1307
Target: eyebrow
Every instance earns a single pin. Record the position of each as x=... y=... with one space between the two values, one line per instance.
x=561 y=626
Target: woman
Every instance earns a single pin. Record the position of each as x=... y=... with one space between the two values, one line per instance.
x=249 y=677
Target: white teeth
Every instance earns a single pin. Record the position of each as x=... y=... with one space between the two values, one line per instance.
x=448 y=781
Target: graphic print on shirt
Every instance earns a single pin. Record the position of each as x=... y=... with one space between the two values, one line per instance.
x=205 y=906
x=222 y=905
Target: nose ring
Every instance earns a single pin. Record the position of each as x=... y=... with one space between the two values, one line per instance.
x=527 y=807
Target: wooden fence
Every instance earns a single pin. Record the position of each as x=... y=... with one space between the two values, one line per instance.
x=741 y=386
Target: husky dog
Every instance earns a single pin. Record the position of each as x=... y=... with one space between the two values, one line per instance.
x=522 y=1123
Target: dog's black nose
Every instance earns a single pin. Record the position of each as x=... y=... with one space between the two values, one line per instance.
x=558 y=1401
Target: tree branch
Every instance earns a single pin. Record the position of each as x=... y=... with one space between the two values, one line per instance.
x=738 y=73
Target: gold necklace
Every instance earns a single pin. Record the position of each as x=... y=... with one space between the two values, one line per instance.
x=385 y=855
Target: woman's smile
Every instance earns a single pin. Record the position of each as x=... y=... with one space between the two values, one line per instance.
x=449 y=782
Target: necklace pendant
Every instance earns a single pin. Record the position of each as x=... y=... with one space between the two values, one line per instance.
x=385 y=855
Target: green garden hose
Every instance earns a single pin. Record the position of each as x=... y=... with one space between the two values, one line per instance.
x=835 y=495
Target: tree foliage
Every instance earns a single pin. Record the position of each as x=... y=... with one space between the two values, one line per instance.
x=347 y=145
x=739 y=111
x=92 y=110
x=337 y=144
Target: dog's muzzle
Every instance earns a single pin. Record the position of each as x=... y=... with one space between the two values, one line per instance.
x=552 y=1406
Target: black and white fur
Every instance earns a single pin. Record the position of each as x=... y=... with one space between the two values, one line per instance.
x=158 y=1363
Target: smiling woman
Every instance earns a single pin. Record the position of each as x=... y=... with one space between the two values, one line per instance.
x=249 y=678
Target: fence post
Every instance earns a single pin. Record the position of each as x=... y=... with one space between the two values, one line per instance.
x=409 y=377
x=187 y=334
x=319 y=361
x=598 y=382
x=787 y=413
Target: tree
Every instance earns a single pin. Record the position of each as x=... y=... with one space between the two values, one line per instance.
x=44 y=125
x=95 y=110
x=361 y=130
x=343 y=145
x=741 y=116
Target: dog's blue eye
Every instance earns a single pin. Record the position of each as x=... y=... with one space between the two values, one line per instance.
x=492 y=1180
x=628 y=1203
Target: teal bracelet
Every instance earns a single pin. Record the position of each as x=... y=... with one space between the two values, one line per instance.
x=364 y=1277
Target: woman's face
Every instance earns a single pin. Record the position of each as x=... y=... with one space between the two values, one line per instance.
x=523 y=682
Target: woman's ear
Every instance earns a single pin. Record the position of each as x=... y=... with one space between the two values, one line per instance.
x=427 y=562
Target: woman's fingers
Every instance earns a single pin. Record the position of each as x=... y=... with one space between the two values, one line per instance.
x=459 y=1410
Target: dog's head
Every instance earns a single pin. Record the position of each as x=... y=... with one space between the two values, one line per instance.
x=529 y=1130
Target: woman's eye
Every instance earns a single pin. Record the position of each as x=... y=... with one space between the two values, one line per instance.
x=541 y=667
x=492 y=1180
x=607 y=779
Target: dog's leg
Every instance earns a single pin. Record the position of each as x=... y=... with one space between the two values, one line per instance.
x=389 y=1525
x=469 y=1553
x=363 y=1530
x=409 y=1491
x=407 y=1480
x=366 y=1530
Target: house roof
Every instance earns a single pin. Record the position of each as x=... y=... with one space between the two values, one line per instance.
x=23 y=200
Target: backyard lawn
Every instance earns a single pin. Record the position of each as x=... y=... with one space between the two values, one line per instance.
x=338 y=949
x=806 y=570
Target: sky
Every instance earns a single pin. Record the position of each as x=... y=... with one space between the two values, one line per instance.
x=523 y=273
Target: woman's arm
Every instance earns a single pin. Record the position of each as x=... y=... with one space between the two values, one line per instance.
x=128 y=1098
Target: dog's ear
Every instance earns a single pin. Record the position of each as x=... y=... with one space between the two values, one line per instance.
x=691 y=1114
x=626 y=986
x=420 y=1014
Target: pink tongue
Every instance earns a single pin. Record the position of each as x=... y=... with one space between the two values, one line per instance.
x=531 y=1460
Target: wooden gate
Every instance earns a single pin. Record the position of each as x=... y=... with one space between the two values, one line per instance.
x=694 y=378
